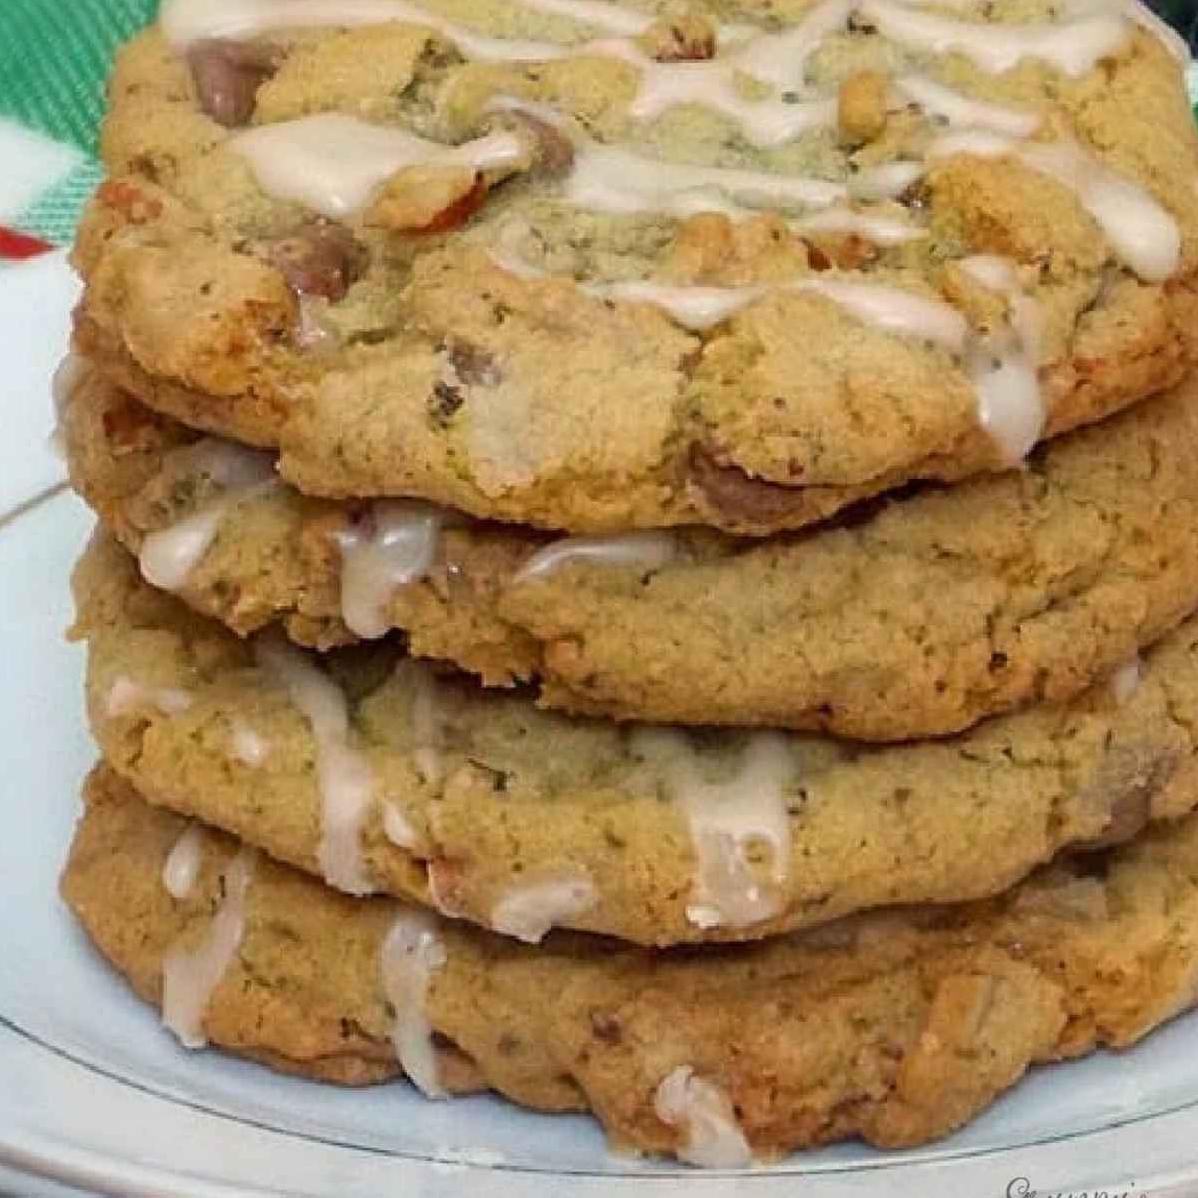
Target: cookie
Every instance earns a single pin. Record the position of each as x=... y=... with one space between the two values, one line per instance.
x=599 y=268
x=895 y=1027
x=916 y=618
x=371 y=771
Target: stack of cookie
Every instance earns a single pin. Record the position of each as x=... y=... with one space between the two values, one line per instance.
x=582 y=478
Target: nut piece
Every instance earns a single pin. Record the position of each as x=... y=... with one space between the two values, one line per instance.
x=428 y=199
x=690 y=38
x=861 y=107
x=846 y=251
x=131 y=199
x=227 y=76
x=319 y=258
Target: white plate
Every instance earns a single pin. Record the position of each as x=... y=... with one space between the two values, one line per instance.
x=94 y=1094
x=36 y=297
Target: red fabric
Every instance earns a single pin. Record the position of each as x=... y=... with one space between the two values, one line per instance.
x=21 y=245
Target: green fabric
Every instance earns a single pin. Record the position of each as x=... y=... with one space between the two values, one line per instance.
x=54 y=56
x=54 y=215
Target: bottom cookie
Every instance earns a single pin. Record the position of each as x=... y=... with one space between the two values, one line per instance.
x=896 y=1027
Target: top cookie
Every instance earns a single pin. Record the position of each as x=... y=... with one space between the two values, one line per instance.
x=576 y=264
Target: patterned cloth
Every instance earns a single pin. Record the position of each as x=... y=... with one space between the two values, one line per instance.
x=54 y=56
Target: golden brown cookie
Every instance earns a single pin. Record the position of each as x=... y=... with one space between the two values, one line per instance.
x=620 y=271
x=894 y=1027
x=915 y=618
x=369 y=770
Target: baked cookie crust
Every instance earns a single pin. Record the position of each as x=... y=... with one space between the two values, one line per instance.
x=917 y=617
x=369 y=770
x=595 y=294
x=896 y=1028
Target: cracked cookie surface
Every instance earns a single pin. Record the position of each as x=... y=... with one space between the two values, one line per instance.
x=919 y=617
x=894 y=1027
x=370 y=770
x=555 y=281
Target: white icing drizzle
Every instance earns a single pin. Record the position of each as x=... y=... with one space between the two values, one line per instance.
x=393 y=547
x=649 y=549
x=885 y=182
x=781 y=59
x=894 y=310
x=182 y=865
x=249 y=747
x=1073 y=47
x=993 y=272
x=1010 y=407
x=712 y=84
x=398 y=828
x=965 y=111
x=185 y=22
x=1126 y=680
x=714 y=1139
x=726 y=819
x=529 y=912
x=695 y=308
x=190 y=977
x=168 y=556
x=332 y=163
x=777 y=59
x=343 y=775
x=891 y=309
x=773 y=58
x=1139 y=228
x=613 y=180
x=602 y=15
x=881 y=230
x=126 y=696
x=1143 y=234
x=1004 y=367
x=411 y=951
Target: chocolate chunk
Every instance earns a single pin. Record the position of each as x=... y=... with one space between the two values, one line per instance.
x=737 y=496
x=817 y=259
x=474 y=365
x=553 y=151
x=1130 y=784
x=444 y=403
x=606 y=1027
x=917 y=196
x=319 y=258
x=227 y=76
